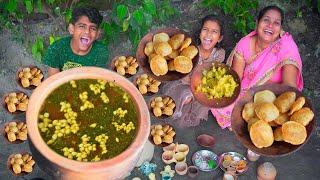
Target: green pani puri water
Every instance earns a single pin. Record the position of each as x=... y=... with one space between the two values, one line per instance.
x=88 y=120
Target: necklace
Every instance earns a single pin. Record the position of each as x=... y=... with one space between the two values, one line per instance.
x=257 y=48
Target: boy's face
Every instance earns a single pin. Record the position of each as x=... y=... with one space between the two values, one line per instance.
x=84 y=33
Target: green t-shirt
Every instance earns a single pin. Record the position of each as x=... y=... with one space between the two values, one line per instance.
x=59 y=55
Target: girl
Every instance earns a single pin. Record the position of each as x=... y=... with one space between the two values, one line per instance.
x=188 y=111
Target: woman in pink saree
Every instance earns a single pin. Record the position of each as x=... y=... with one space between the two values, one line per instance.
x=266 y=55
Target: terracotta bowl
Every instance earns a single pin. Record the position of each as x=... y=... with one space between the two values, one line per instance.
x=113 y=67
x=163 y=144
x=163 y=116
x=17 y=141
x=19 y=80
x=239 y=126
x=134 y=81
x=143 y=59
x=215 y=102
x=4 y=104
x=9 y=166
x=63 y=168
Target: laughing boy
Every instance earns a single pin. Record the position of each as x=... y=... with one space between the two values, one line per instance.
x=80 y=48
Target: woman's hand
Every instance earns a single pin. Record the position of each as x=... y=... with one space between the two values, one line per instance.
x=238 y=65
x=289 y=75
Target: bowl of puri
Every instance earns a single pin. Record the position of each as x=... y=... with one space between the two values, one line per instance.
x=87 y=122
x=126 y=66
x=273 y=120
x=162 y=134
x=167 y=54
x=162 y=106
x=29 y=77
x=15 y=102
x=215 y=84
x=146 y=84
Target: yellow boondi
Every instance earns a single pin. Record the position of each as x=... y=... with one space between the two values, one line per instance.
x=215 y=83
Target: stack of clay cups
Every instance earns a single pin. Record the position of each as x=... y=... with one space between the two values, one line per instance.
x=176 y=153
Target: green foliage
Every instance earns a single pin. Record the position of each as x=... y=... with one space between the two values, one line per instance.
x=38 y=49
x=14 y=12
x=134 y=18
x=131 y=18
x=299 y=14
x=240 y=10
x=166 y=11
x=53 y=38
x=309 y=2
x=17 y=10
x=67 y=15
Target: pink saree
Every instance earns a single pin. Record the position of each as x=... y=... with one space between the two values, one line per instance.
x=265 y=66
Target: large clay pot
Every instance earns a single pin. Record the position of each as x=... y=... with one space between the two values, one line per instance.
x=62 y=168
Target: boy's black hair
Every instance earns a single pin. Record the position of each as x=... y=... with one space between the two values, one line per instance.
x=266 y=9
x=214 y=18
x=91 y=12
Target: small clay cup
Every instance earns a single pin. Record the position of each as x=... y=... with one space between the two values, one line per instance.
x=206 y=140
x=168 y=157
x=183 y=148
x=181 y=168
x=193 y=171
x=252 y=156
x=179 y=157
x=170 y=147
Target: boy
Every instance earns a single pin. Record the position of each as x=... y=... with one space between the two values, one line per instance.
x=80 y=48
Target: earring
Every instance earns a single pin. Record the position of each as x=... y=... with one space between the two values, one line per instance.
x=282 y=32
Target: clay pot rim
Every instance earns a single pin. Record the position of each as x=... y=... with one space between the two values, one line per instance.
x=47 y=86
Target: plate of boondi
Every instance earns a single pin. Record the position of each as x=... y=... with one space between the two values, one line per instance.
x=215 y=84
